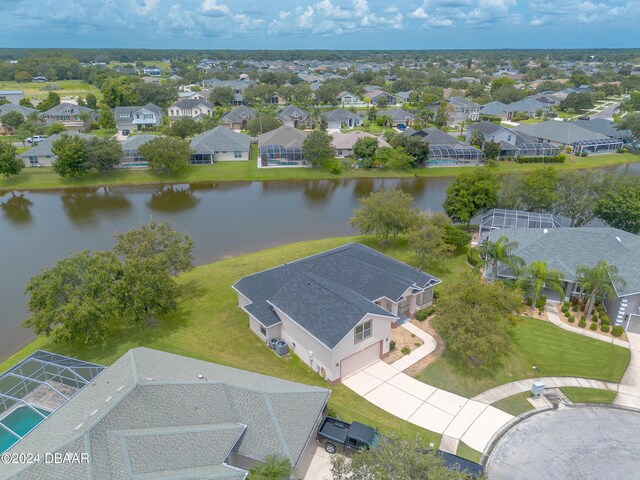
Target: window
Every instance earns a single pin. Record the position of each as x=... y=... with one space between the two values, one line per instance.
x=237 y=154
x=263 y=331
x=363 y=331
x=33 y=161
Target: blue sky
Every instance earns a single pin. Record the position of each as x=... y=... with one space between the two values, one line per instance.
x=320 y=24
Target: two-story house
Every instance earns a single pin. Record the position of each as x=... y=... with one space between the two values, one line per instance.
x=194 y=108
x=148 y=117
x=74 y=117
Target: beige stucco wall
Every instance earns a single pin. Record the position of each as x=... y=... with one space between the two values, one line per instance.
x=230 y=157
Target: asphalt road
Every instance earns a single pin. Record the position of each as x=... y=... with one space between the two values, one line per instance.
x=606 y=113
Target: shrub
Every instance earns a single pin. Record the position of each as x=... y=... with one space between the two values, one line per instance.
x=583 y=154
x=417 y=344
x=406 y=350
x=604 y=328
x=617 y=331
x=422 y=315
x=335 y=167
x=473 y=257
x=555 y=159
x=622 y=150
x=565 y=309
x=593 y=326
x=392 y=345
x=575 y=308
x=582 y=323
x=540 y=303
x=571 y=319
x=605 y=320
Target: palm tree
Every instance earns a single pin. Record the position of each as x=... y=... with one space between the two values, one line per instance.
x=501 y=252
x=598 y=282
x=274 y=468
x=538 y=276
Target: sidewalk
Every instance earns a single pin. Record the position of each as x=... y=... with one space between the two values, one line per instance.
x=629 y=389
x=419 y=353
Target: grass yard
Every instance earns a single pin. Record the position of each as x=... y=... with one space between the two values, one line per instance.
x=515 y=404
x=209 y=326
x=589 y=395
x=68 y=88
x=465 y=451
x=555 y=352
x=45 y=177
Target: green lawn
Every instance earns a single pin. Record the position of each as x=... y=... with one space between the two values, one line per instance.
x=553 y=351
x=45 y=177
x=515 y=404
x=209 y=326
x=465 y=451
x=589 y=395
x=68 y=88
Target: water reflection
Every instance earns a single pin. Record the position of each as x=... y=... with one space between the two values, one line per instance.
x=82 y=206
x=318 y=192
x=173 y=198
x=17 y=209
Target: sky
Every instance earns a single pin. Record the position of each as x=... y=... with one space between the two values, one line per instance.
x=320 y=24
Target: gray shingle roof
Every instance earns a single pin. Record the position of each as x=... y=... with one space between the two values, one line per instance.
x=285 y=136
x=602 y=126
x=133 y=142
x=339 y=115
x=238 y=114
x=329 y=293
x=43 y=148
x=291 y=113
x=494 y=108
x=12 y=107
x=67 y=109
x=435 y=136
x=149 y=416
x=221 y=139
x=397 y=114
x=486 y=128
x=189 y=103
x=559 y=132
x=566 y=249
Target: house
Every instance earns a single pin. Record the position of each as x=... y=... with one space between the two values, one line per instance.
x=41 y=155
x=512 y=143
x=237 y=118
x=498 y=218
x=446 y=150
x=126 y=70
x=292 y=116
x=340 y=118
x=12 y=96
x=148 y=117
x=495 y=109
x=152 y=71
x=335 y=309
x=157 y=415
x=344 y=142
x=74 y=117
x=566 y=249
x=12 y=107
x=601 y=126
x=399 y=117
x=276 y=99
x=570 y=134
x=238 y=86
x=403 y=96
x=150 y=79
x=130 y=145
x=282 y=147
x=220 y=144
x=190 y=108
x=377 y=97
x=348 y=98
x=469 y=108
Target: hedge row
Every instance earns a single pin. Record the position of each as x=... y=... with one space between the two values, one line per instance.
x=557 y=159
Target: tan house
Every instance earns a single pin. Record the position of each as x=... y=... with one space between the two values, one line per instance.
x=344 y=142
x=335 y=309
x=74 y=117
x=194 y=108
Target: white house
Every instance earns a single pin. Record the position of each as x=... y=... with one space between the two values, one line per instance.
x=138 y=118
x=194 y=108
x=335 y=309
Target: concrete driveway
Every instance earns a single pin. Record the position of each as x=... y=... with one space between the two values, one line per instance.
x=319 y=464
x=456 y=417
x=629 y=387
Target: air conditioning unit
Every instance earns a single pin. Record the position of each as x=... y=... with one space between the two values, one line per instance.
x=282 y=348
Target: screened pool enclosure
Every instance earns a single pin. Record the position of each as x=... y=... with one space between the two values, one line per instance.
x=445 y=155
x=37 y=387
x=279 y=155
x=498 y=218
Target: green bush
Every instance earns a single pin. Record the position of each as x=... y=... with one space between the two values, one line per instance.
x=622 y=150
x=617 y=331
x=540 y=303
x=392 y=345
x=422 y=315
x=335 y=167
x=555 y=159
x=456 y=236
x=565 y=309
x=473 y=257
x=406 y=350
x=604 y=328
x=582 y=323
x=529 y=301
x=571 y=319
x=575 y=308
x=604 y=320
x=593 y=326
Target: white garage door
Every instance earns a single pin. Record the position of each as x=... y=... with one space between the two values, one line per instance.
x=358 y=361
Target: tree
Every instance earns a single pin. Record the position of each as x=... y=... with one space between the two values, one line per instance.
x=577 y=102
x=25 y=102
x=317 y=147
x=184 y=127
x=56 y=127
x=426 y=237
x=103 y=154
x=10 y=165
x=577 y=194
x=508 y=94
x=394 y=459
x=105 y=119
x=473 y=319
x=631 y=122
x=168 y=153
x=221 y=96
x=469 y=194
x=414 y=146
x=500 y=252
x=76 y=298
x=372 y=113
x=385 y=213
x=597 y=282
x=119 y=91
x=156 y=93
x=52 y=100
x=364 y=149
x=477 y=138
x=72 y=156
x=538 y=276
x=273 y=468
x=621 y=208
x=535 y=192
x=262 y=123
x=398 y=159
x=12 y=119
x=492 y=150
x=22 y=76
x=442 y=115
x=91 y=101
x=23 y=132
x=500 y=83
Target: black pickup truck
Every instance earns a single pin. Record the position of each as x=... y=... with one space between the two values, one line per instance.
x=337 y=435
